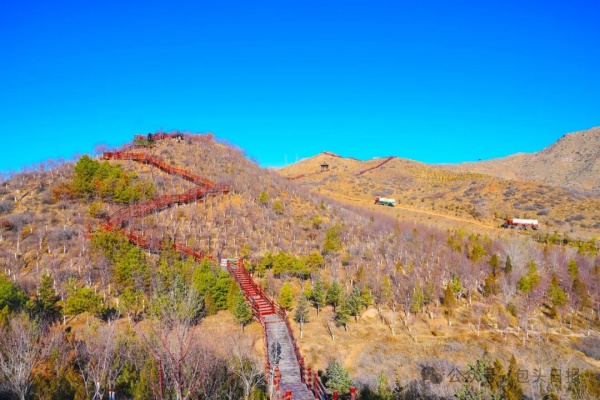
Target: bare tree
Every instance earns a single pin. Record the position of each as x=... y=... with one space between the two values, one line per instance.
x=479 y=310
x=244 y=364
x=100 y=360
x=176 y=346
x=20 y=354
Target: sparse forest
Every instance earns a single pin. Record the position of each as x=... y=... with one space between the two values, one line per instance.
x=437 y=313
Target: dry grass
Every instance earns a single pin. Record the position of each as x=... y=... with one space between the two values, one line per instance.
x=572 y=162
x=449 y=199
x=369 y=348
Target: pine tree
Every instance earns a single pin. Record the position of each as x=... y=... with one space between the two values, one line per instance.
x=333 y=240
x=246 y=251
x=131 y=268
x=45 y=306
x=203 y=278
x=449 y=298
x=337 y=377
x=355 y=302
x=557 y=296
x=286 y=296
x=233 y=294
x=477 y=251
x=11 y=295
x=334 y=295
x=314 y=261
x=84 y=170
x=449 y=303
x=220 y=291
x=490 y=286
x=513 y=389
x=343 y=313
x=265 y=263
x=456 y=284
x=366 y=297
x=573 y=269
x=131 y=303
x=278 y=208
x=383 y=389
x=169 y=265
x=318 y=295
x=418 y=299
x=581 y=292
x=495 y=376
x=302 y=312
x=145 y=387
x=263 y=197
x=83 y=300
x=209 y=304
x=530 y=280
x=316 y=221
x=494 y=263
x=508 y=267
x=241 y=310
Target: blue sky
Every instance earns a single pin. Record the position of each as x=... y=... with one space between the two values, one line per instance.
x=434 y=81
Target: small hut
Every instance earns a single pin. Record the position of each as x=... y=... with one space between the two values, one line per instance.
x=324 y=167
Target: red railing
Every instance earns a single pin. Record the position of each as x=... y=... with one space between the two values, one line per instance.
x=310 y=379
x=240 y=272
x=388 y=159
x=208 y=188
x=145 y=158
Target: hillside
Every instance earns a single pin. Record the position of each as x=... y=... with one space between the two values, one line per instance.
x=448 y=199
x=573 y=162
x=409 y=297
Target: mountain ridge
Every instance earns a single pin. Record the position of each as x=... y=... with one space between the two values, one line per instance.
x=516 y=187
x=572 y=162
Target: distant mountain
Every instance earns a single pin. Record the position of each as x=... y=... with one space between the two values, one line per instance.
x=471 y=195
x=572 y=162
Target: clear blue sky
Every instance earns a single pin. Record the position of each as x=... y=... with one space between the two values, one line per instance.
x=435 y=81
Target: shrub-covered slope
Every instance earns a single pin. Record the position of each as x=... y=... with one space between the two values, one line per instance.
x=423 y=297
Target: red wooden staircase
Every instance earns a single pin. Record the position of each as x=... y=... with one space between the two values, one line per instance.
x=261 y=304
x=285 y=368
x=284 y=364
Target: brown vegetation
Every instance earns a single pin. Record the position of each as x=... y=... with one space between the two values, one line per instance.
x=511 y=295
x=573 y=162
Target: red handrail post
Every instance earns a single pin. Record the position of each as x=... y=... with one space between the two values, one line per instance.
x=352 y=393
x=335 y=395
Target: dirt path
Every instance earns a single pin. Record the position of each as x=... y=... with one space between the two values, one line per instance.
x=425 y=213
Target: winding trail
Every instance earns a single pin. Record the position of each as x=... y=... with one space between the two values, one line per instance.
x=285 y=367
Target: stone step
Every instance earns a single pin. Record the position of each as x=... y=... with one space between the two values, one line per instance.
x=276 y=331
